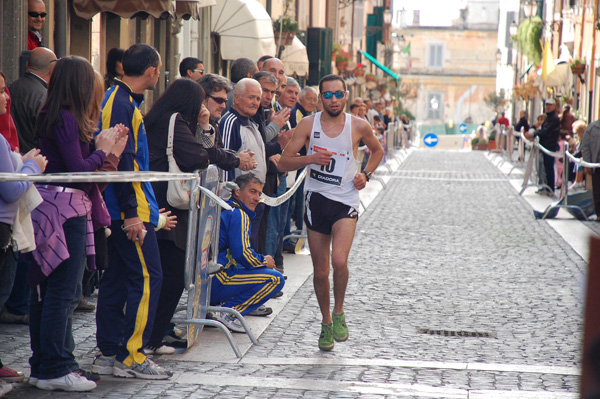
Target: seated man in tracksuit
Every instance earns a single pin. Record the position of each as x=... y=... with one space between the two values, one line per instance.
x=249 y=279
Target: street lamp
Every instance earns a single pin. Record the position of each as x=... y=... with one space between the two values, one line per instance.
x=513 y=29
x=530 y=8
x=387 y=16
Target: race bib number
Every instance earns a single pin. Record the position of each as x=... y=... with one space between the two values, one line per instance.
x=333 y=172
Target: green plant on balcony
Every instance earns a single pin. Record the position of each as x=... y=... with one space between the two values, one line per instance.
x=284 y=30
x=578 y=66
x=529 y=34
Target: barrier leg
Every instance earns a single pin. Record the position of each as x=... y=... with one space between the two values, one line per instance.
x=238 y=316
x=213 y=323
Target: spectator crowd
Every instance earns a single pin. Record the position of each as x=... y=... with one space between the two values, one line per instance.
x=60 y=242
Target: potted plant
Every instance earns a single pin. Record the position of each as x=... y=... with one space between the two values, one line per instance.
x=284 y=30
x=568 y=98
x=578 y=66
x=359 y=70
x=479 y=145
x=342 y=59
x=492 y=140
x=370 y=77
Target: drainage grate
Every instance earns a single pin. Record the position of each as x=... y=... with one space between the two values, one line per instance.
x=448 y=333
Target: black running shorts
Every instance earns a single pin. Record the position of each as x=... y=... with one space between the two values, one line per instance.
x=322 y=212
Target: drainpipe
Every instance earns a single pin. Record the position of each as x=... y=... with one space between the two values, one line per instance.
x=61 y=23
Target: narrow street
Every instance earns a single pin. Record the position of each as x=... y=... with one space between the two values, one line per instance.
x=455 y=291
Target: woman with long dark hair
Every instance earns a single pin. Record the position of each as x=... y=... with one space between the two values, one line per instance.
x=183 y=96
x=63 y=222
x=114 y=66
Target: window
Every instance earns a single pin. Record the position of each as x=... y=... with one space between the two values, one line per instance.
x=434 y=106
x=435 y=55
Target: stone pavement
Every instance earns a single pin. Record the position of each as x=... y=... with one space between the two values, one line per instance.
x=455 y=291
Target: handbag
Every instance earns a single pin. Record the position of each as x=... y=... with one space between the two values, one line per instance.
x=178 y=191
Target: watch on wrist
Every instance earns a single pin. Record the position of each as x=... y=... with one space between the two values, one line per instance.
x=368 y=175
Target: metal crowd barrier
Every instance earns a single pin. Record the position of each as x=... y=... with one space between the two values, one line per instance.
x=204 y=216
x=533 y=165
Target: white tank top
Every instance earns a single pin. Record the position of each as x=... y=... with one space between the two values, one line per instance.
x=334 y=181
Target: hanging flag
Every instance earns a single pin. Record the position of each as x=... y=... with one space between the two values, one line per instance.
x=406 y=49
x=547 y=61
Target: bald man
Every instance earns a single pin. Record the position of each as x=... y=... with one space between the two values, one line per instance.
x=36 y=16
x=275 y=66
x=29 y=94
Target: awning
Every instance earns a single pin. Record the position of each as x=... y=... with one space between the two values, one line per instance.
x=187 y=9
x=125 y=9
x=295 y=59
x=142 y=8
x=245 y=28
x=379 y=65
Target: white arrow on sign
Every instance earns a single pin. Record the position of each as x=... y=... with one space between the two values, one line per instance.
x=430 y=139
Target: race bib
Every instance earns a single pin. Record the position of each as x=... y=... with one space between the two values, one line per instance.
x=333 y=172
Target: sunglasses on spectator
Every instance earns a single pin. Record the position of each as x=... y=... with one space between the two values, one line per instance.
x=329 y=94
x=199 y=70
x=34 y=14
x=219 y=100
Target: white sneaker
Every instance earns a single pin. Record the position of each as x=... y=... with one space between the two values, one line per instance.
x=146 y=371
x=71 y=382
x=576 y=187
x=229 y=321
x=103 y=365
x=162 y=350
x=33 y=381
x=5 y=388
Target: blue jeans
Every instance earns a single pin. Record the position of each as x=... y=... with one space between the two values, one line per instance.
x=18 y=301
x=274 y=219
x=50 y=306
x=7 y=275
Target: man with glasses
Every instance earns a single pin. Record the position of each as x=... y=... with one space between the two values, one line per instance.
x=191 y=68
x=332 y=184
x=36 y=11
x=216 y=88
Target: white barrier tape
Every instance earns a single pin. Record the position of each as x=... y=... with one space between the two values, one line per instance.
x=580 y=161
x=551 y=153
x=276 y=201
x=98 y=177
x=215 y=198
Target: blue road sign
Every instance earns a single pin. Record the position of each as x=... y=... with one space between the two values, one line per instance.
x=463 y=128
x=430 y=140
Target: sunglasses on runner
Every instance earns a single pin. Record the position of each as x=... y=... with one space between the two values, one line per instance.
x=329 y=94
x=34 y=14
x=219 y=100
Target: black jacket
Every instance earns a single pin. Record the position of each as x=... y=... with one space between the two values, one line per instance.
x=28 y=95
x=188 y=154
x=549 y=132
x=522 y=123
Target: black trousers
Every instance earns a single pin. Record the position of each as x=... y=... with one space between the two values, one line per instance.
x=596 y=191
x=172 y=260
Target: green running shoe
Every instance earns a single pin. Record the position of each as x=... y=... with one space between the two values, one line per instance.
x=340 y=330
x=326 y=338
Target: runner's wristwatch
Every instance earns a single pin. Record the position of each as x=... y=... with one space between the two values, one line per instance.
x=368 y=174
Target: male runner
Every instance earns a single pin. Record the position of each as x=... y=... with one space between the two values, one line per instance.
x=332 y=200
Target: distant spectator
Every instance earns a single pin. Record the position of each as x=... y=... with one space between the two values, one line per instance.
x=36 y=11
x=114 y=66
x=548 y=134
x=503 y=120
x=29 y=94
x=522 y=123
x=261 y=61
x=191 y=68
x=566 y=121
x=240 y=68
x=590 y=149
x=7 y=123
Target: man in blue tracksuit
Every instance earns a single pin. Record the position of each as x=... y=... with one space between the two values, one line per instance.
x=249 y=278
x=134 y=275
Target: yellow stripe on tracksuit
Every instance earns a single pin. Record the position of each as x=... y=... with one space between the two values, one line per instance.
x=253 y=260
x=135 y=343
x=249 y=279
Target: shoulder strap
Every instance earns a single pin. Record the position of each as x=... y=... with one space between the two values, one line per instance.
x=170 y=136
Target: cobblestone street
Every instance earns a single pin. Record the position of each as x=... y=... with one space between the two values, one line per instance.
x=455 y=291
